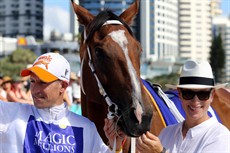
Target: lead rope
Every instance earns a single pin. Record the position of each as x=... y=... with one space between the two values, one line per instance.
x=114 y=145
x=113 y=108
x=110 y=114
x=133 y=145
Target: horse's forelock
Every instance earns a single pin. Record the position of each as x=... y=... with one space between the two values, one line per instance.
x=100 y=19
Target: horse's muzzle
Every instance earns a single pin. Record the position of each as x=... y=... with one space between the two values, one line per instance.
x=132 y=126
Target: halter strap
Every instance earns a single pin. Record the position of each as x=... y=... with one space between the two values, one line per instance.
x=112 y=22
x=113 y=108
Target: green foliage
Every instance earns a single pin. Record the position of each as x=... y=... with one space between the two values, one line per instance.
x=18 y=60
x=217 y=57
x=78 y=38
x=165 y=79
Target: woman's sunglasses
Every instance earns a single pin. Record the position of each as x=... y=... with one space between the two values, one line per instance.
x=189 y=94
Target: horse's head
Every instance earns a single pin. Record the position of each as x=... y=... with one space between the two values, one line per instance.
x=109 y=45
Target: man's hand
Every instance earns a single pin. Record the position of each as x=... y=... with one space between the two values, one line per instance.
x=112 y=132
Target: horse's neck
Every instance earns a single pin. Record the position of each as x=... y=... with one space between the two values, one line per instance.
x=222 y=107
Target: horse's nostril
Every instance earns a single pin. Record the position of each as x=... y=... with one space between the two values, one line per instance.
x=136 y=117
x=138 y=112
x=133 y=117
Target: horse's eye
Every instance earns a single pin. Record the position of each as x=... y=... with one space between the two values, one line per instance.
x=98 y=51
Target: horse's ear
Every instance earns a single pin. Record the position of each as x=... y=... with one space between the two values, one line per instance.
x=84 y=16
x=130 y=13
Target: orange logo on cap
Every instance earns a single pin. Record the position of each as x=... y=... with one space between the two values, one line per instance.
x=45 y=60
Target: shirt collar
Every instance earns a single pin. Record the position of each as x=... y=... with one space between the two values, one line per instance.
x=52 y=113
x=197 y=130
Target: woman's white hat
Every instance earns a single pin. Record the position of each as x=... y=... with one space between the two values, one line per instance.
x=196 y=75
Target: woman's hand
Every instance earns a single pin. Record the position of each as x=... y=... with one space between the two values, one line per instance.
x=149 y=143
x=112 y=132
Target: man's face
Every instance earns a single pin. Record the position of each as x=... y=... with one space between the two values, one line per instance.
x=44 y=94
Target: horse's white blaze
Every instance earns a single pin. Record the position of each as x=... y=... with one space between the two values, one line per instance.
x=120 y=38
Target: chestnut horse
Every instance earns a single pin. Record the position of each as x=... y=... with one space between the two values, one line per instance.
x=221 y=104
x=110 y=73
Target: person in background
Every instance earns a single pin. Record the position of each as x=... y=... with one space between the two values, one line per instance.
x=48 y=125
x=76 y=94
x=67 y=99
x=69 y=89
x=10 y=91
x=19 y=90
x=198 y=132
x=2 y=91
x=26 y=85
x=77 y=89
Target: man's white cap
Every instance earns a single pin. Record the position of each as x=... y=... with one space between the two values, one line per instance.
x=49 y=67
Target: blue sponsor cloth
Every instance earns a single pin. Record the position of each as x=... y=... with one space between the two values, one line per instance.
x=50 y=138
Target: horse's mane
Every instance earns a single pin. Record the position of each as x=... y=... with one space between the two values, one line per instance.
x=100 y=19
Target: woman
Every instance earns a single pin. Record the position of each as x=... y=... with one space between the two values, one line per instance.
x=199 y=132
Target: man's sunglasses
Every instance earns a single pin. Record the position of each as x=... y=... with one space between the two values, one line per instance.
x=189 y=94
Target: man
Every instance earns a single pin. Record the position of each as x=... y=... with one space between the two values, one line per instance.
x=199 y=132
x=48 y=125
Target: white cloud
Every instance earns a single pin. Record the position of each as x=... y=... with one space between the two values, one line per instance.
x=55 y=18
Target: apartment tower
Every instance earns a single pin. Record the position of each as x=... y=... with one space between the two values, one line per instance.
x=159 y=29
x=21 y=18
x=195 y=33
x=95 y=6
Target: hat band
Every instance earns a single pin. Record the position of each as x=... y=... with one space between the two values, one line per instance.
x=197 y=80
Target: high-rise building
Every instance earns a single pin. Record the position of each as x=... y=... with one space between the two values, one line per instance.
x=159 y=29
x=216 y=8
x=21 y=18
x=74 y=24
x=95 y=6
x=195 y=33
x=159 y=36
x=221 y=25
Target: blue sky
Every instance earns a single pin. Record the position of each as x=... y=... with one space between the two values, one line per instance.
x=61 y=3
x=57 y=16
x=225 y=5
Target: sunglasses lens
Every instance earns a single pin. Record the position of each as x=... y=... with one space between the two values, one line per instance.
x=203 y=95
x=188 y=94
